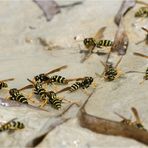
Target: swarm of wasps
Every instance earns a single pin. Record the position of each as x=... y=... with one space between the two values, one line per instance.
x=46 y=97
x=50 y=97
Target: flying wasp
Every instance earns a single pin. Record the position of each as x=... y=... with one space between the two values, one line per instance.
x=11 y=126
x=135 y=124
x=146 y=37
x=142 y=12
x=111 y=72
x=3 y=83
x=84 y=84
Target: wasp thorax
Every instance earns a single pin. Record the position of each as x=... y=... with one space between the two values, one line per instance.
x=89 y=42
x=13 y=92
x=5 y=85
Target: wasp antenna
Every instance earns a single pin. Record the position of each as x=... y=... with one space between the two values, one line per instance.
x=103 y=63
x=144 y=29
x=133 y=71
x=119 y=115
x=140 y=42
x=140 y=54
x=30 y=81
x=118 y=62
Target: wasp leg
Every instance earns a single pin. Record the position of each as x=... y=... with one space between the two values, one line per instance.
x=30 y=97
x=54 y=87
x=94 y=85
x=85 y=91
x=6 y=88
x=119 y=73
x=72 y=102
x=43 y=103
x=141 y=82
x=7 y=98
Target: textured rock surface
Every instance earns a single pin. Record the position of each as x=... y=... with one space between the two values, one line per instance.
x=21 y=60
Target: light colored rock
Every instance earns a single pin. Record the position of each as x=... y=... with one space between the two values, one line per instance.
x=21 y=60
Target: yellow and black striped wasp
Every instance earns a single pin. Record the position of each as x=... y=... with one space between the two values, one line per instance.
x=3 y=83
x=16 y=95
x=146 y=38
x=96 y=41
x=82 y=83
x=46 y=97
x=11 y=125
x=111 y=72
x=142 y=12
x=145 y=77
x=53 y=79
x=135 y=124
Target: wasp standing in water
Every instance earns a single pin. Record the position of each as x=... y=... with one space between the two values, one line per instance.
x=146 y=37
x=3 y=83
x=11 y=126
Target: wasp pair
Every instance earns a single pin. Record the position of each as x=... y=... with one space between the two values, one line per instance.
x=135 y=124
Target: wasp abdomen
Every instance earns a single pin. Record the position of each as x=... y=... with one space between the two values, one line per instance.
x=75 y=86
x=58 y=79
x=104 y=43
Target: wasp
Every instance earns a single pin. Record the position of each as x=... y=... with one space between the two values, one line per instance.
x=3 y=83
x=89 y=42
x=84 y=84
x=96 y=41
x=11 y=125
x=44 y=76
x=53 y=79
x=111 y=72
x=135 y=124
x=142 y=12
x=145 y=77
x=146 y=37
x=17 y=96
x=47 y=97
x=38 y=89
